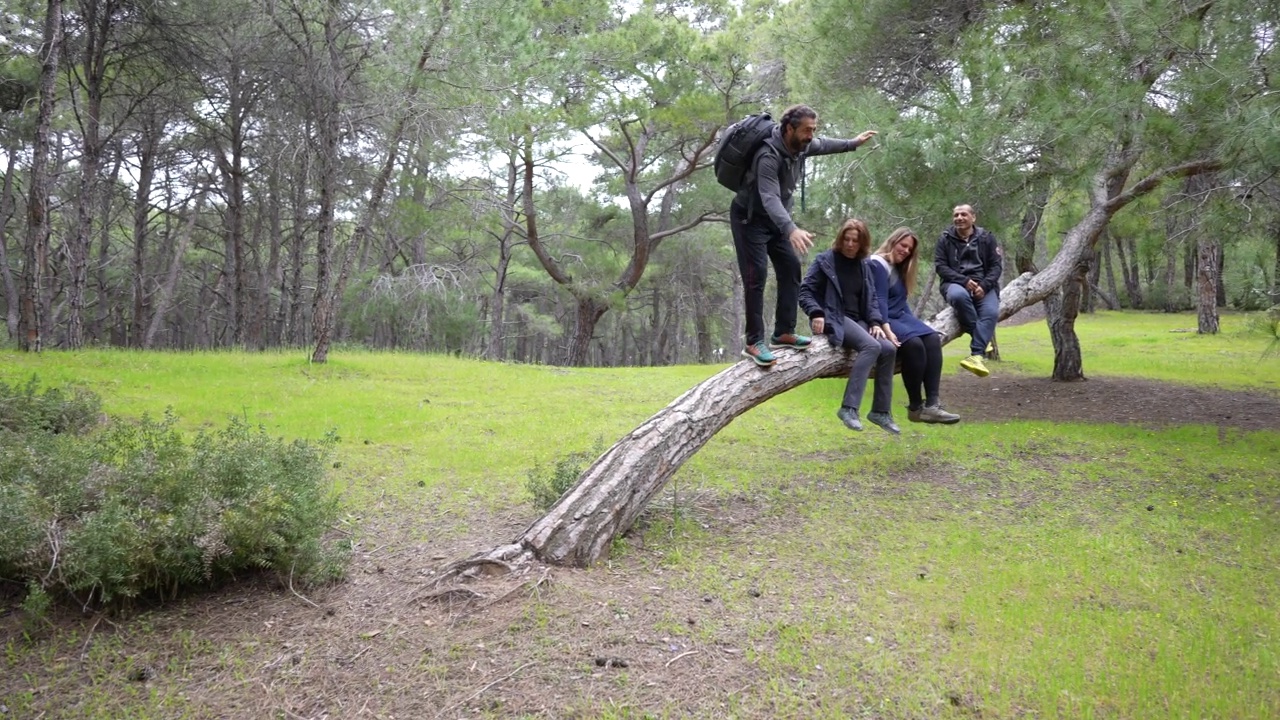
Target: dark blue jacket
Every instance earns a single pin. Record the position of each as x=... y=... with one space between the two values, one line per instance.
x=893 y=302
x=820 y=296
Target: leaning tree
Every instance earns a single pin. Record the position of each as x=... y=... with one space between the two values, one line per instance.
x=1154 y=57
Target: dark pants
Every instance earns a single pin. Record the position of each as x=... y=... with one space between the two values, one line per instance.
x=755 y=243
x=976 y=318
x=881 y=354
x=921 y=365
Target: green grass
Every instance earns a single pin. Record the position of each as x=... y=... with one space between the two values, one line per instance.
x=1158 y=346
x=999 y=570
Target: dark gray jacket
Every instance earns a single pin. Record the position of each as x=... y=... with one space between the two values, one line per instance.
x=767 y=196
x=820 y=296
x=946 y=259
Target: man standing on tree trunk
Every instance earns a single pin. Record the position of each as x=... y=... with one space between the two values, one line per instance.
x=760 y=217
x=969 y=261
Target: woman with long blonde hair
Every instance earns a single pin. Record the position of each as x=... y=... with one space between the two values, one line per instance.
x=893 y=272
x=838 y=296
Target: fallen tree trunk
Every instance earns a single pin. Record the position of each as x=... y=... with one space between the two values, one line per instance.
x=617 y=487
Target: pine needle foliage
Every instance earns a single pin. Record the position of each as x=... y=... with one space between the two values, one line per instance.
x=136 y=509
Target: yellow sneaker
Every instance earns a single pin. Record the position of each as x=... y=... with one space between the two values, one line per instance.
x=974 y=364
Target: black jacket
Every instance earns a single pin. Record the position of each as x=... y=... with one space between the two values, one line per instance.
x=820 y=296
x=946 y=259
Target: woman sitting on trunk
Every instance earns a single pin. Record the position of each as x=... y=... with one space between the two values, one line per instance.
x=893 y=270
x=838 y=296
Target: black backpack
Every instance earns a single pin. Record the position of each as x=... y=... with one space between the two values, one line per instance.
x=738 y=146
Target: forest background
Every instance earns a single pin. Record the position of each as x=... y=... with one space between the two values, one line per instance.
x=528 y=180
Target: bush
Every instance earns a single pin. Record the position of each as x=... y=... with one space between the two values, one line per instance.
x=136 y=510
x=547 y=483
x=23 y=410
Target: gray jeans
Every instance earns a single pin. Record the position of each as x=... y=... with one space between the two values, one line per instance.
x=881 y=354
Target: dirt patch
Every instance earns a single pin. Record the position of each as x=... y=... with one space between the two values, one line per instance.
x=1106 y=400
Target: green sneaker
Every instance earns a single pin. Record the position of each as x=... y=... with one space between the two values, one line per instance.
x=790 y=340
x=974 y=364
x=759 y=354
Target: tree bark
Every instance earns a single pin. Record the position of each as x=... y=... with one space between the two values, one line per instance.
x=34 y=305
x=613 y=491
x=1129 y=271
x=1113 y=301
x=1062 y=308
x=1025 y=254
x=326 y=321
x=1275 y=277
x=97 y=17
x=7 y=203
x=148 y=147
x=1207 y=279
x=103 y=328
x=170 y=286
x=498 y=299
x=1221 y=266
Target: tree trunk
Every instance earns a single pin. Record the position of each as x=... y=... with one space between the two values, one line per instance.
x=610 y=494
x=148 y=147
x=701 y=318
x=1222 y=275
x=106 y=306
x=498 y=299
x=1025 y=254
x=170 y=286
x=34 y=306
x=1189 y=266
x=1275 y=278
x=326 y=322
x=1207 y=279
x=1061 y=310
x=291 y=319
x=615 y=489
x=96 y=17
x=1129 y=270
x=6 y=213
x=1105 y=244
x=587 y=312
x=1091 y=282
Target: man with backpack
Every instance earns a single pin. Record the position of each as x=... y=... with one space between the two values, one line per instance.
x=760 y=216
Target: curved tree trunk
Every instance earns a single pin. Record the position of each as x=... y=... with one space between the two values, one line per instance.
x=615 y=489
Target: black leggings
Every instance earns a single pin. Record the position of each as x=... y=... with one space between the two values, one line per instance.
x=921 y=365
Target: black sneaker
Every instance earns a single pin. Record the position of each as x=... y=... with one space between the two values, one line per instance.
x=849 y=416
x=885 y=421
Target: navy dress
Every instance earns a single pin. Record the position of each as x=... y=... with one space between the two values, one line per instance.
x=893 y=302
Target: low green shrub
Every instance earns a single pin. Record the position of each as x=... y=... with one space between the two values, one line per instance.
x=24 y=409
x=138 y=510
x=546 y=483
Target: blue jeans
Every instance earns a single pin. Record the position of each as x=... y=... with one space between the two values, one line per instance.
x=978 y=319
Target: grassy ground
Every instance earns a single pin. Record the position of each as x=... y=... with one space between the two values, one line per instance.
x=993 y=569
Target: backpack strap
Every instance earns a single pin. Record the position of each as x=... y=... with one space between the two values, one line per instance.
x=751 y=188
